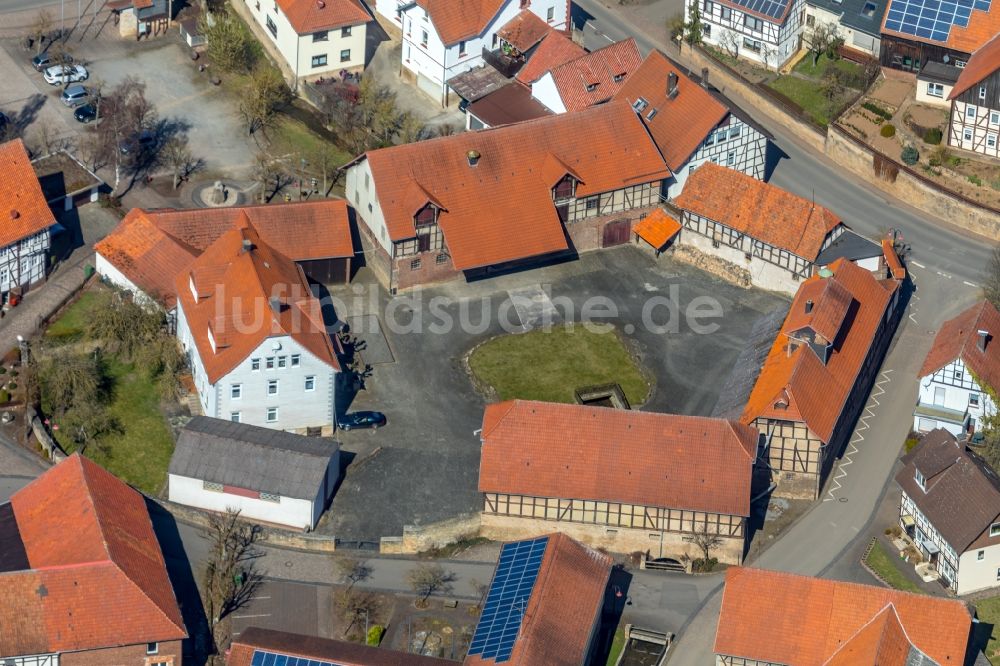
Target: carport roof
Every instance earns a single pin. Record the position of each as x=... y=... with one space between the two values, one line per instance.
x=596 y=453
x=23 y=210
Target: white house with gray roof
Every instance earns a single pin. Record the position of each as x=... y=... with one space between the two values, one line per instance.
x=269 y=475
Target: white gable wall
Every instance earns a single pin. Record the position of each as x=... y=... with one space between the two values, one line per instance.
x=951 y=388
x=360 y=192
x=296 y=513
x=546 y=92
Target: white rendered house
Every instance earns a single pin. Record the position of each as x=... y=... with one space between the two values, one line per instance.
x=959 y=372
x=444 y=38
x=273 y=477
x=315 y=37
x=26 y=222
x=765 y=31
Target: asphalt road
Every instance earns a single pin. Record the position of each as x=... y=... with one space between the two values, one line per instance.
x=935 y=244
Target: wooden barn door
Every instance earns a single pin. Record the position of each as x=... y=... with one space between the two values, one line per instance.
x=616 y=232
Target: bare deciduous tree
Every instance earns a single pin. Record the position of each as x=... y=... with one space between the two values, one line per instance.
x=730 y=40
x=823 y=39
x=356 y=605
x=706 y=541
x=40 y=29
x=428 y=579
x=266 y=93
x=352 y=570
x=178 y=157
x=126 y=111
x=991 y=286
x=230 y=577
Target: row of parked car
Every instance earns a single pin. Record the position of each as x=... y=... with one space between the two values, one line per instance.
x=75 y=96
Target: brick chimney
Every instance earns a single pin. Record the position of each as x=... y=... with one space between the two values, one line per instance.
x=672 y=85
x=809 y=306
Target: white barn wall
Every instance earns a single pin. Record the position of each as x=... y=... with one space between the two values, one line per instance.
x=361 y=193
x=296 y=513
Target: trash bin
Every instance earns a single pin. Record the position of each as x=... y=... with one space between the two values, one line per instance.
x=88 y=270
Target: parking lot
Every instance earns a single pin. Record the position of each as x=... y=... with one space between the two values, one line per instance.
x=182 y=96
x=423 y=466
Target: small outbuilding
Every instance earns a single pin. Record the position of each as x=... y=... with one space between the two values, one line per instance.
x=269 y=475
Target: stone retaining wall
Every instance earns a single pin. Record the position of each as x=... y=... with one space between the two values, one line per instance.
x=420 y=538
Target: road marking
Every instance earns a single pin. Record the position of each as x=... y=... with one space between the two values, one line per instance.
x=944 y=275
x=918 y=264
x=245 y=617
x=969 y=284
x=868 y=413
x=260 y=597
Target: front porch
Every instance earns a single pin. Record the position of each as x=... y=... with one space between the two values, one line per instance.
x=923 y=556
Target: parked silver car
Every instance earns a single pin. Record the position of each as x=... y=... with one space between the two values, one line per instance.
x=75 y=95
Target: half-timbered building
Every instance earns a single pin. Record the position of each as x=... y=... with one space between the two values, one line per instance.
x=765 y=31
x=770 y=618
x=618 y=479
x=916 y=32
x=818 y=372
x=25 y=222
x=691 y=122
x=961 y=373
x=975 y=103
x=777 y=236
x=505 y=197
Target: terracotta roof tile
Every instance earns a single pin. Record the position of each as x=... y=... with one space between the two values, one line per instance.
x=961 y=494
x=556 y=49
x=563 y=609
x=456 y=20
x=482 y=223
x=830 y=304
x=152 y=247
x=309 y=16
x=322 y=649
x=104 y=587
x=681 y=124
x=958 y=338
x=982 y=64
x=657 y=228
x=597 y=453
x=810 y=390
x=245 y=281
x=23 y=211
x=892 y=261
x=596 y=77
x=983 y=26
x=758 y=209
x=524 y=31
x=788 y=619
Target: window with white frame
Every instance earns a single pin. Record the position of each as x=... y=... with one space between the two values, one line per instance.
x=310 y=383
x=994 y=117
x=970 y=112
x=727 y=13
x=271 y=415
x=345 y=31
x=234 y=417
x=255 y=364
x=272 y=26
x=269 y=363
x=751 y=45
x=981 y=555
x=967 y=134
x=731 y=158
x=272 y=387
x=152 y=648
x=295 y=360
x=735 y=131
x=974 y=400
x=982 y=92
x=991 y=140
x=423 y=38
x=707 y=7
x=995 y=529
x=918 y=476
x=345 y=55
x=935 y=89
x=282 y=361
x=706 y=30
x=752 y=22
x=461 y=49
x=319 y=60
x=236 y=391
x=550 y=15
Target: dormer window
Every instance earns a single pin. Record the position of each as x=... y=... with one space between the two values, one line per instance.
x=426 y=216
x=564 y=189
x=194 y=291
x=919 y=478
x=591 y=87
x=639 y=105
x=995 y=529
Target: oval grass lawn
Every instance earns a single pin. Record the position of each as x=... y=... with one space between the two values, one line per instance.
x=550 y=365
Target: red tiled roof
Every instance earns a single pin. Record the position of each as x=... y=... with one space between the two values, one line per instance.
x=343 y=653
x=23 y=211
x=830 y=304
x=760 y=210
x=556 y=49
x=525 y=30
x=657 y=228
x=982 y=27
x=245 y=281
x=564 y=607
x=797 y=386
x=783 y=618
x=579 y=452
x=681 y=124
x=152 y=247
x=456 y=20
x=892 y=261
x=97 y=577
x=597 y=76
x=982 y=64
x=958 y=338
x=484 y=222
x=309 y=16
x=511 y=104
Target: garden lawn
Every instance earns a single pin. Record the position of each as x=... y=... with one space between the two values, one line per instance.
x=806 y=67
x=617 y=645
x=550 y=365
x=988 y=612
x=807 y=94
x=883 y=564
x=71 y=323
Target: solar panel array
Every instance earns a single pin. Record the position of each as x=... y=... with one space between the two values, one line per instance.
x=264 y=658
x=773 y=8
x=931 y=19
x=507 y=599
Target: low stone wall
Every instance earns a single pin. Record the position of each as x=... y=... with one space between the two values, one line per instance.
x=910 y=188
x=49 y=445
x=273 y=536
x=420 y=538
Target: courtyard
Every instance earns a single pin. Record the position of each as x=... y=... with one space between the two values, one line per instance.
x=422 y=467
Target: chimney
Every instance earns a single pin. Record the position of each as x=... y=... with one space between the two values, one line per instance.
x=473 y=157
x=704 y=77
x=320 y=4
x=984 y=337
x=809 y=306
x=672 y=85
x=275 y=304
x=247 y=246
x=14 y=214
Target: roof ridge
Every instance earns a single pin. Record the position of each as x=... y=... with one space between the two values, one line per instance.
x=513 y=403
x=90 y=495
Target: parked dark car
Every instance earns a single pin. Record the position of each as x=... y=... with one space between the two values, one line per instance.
x=359 y=420
x=43 y=61
x=137 y=142
x=85 y=114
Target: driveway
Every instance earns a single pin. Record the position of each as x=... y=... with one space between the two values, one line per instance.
x=423 y=466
